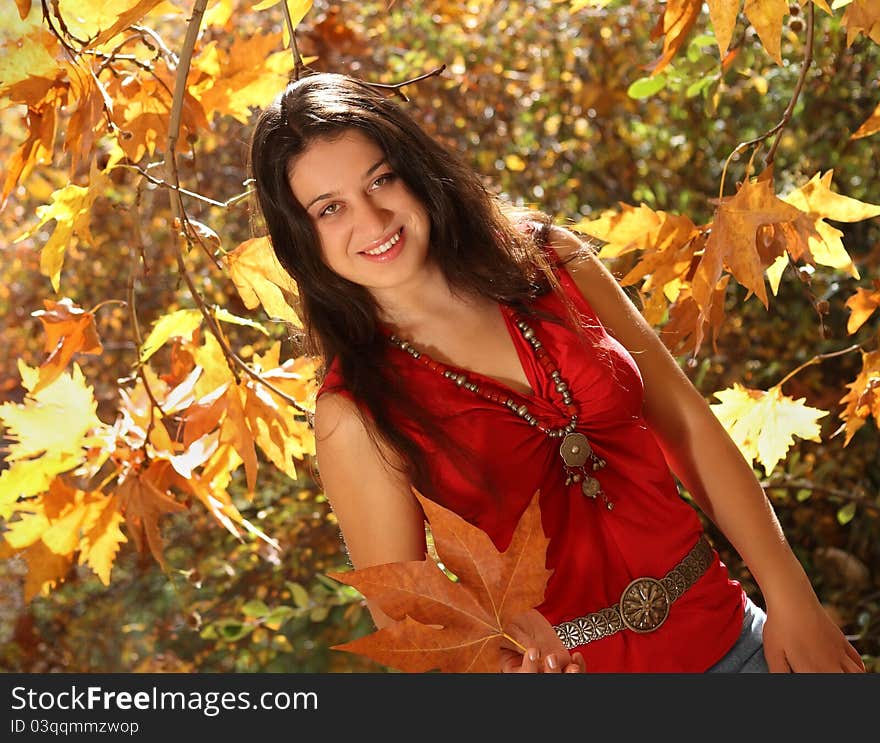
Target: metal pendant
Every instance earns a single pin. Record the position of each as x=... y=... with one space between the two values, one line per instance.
x=591 y=487
x=575 y=450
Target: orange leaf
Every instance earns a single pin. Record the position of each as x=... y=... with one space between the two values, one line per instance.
x=863 y=398
x=454 y=626
x=143 y=503
x=45 y=570
x=862 y=17
x=125 y=19
x=862 y=305
x=678 y=19
x=681 y=334
x=24 y=7
x=733 y=241
x=69 y=330
x=870 y=126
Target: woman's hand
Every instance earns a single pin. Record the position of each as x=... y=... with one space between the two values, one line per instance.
x=800 y=637
x=545 y=652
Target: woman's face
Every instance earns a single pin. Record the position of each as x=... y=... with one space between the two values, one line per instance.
x=373 y=230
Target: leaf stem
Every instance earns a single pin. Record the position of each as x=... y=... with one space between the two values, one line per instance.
x=508 y=637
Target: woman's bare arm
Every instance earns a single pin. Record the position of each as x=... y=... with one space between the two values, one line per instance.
x=380 y=519
x=708 y=463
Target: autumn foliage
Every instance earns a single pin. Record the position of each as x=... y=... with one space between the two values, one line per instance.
x=154 y=383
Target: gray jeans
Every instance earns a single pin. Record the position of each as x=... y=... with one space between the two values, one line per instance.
x=747 y=655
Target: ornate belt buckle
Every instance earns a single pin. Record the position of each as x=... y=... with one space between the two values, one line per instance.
x=644 y=605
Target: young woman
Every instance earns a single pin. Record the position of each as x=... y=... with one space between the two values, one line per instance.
x=478 y=354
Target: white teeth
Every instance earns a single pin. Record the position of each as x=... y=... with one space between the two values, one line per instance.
x=385 y=247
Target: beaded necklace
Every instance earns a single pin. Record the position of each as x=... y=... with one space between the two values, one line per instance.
x=578 y=458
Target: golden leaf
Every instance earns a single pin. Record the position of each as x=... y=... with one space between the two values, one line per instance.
x=236 y=433
x=862 y=17
x=863 y=398
x=862 y=305
x=142 y=501
x=69 y=330
x=57 y=419
x=763 y=424
x=98 y=22
x=870 y=126
x=248 y=74
x=811 y=236
x=766 y=17
x=102 y=538
x=71 y=209
x=732 y=243
x=260 y=279
x=677 y=21
x=179 y=324
x=723 y=14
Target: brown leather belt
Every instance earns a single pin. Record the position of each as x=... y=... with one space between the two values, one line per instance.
x=644 y=603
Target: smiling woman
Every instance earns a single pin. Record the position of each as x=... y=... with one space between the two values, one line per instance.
x=479 y=354
x=373 y=231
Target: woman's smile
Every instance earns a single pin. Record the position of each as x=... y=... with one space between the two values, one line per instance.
x=388 y=250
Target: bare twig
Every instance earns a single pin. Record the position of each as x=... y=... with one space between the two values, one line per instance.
x=815 y=360
x=164 y=184
x=298 y=65
x=792 y=484
x=397 y=87
x=135 y=327
x=802 y=78
x=179 y=213
x=169 y=55
x=786 y=117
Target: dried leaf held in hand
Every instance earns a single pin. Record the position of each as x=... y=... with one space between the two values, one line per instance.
x=454 y=626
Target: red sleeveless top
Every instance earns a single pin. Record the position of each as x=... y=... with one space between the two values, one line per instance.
x=594 y=553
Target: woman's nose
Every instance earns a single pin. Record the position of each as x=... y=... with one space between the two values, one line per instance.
x=374 y=218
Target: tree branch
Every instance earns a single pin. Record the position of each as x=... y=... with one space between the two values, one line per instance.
x=179 y=212
x=786 y=117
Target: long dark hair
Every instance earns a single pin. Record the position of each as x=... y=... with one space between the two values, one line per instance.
x=477 y=242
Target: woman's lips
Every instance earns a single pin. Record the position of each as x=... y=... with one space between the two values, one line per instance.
x=388 y=255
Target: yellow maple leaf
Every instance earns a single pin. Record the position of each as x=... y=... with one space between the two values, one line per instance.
x=178 y=324
x=723 y=15
x=260 y=279
x=98 y=21
x=71 y=209
x=102 y=537
x=863 y=398
x=246 y=75
x=862 y=17
x=815 y=236
x=56 y=419
x=763 y=424
x=766 y=17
